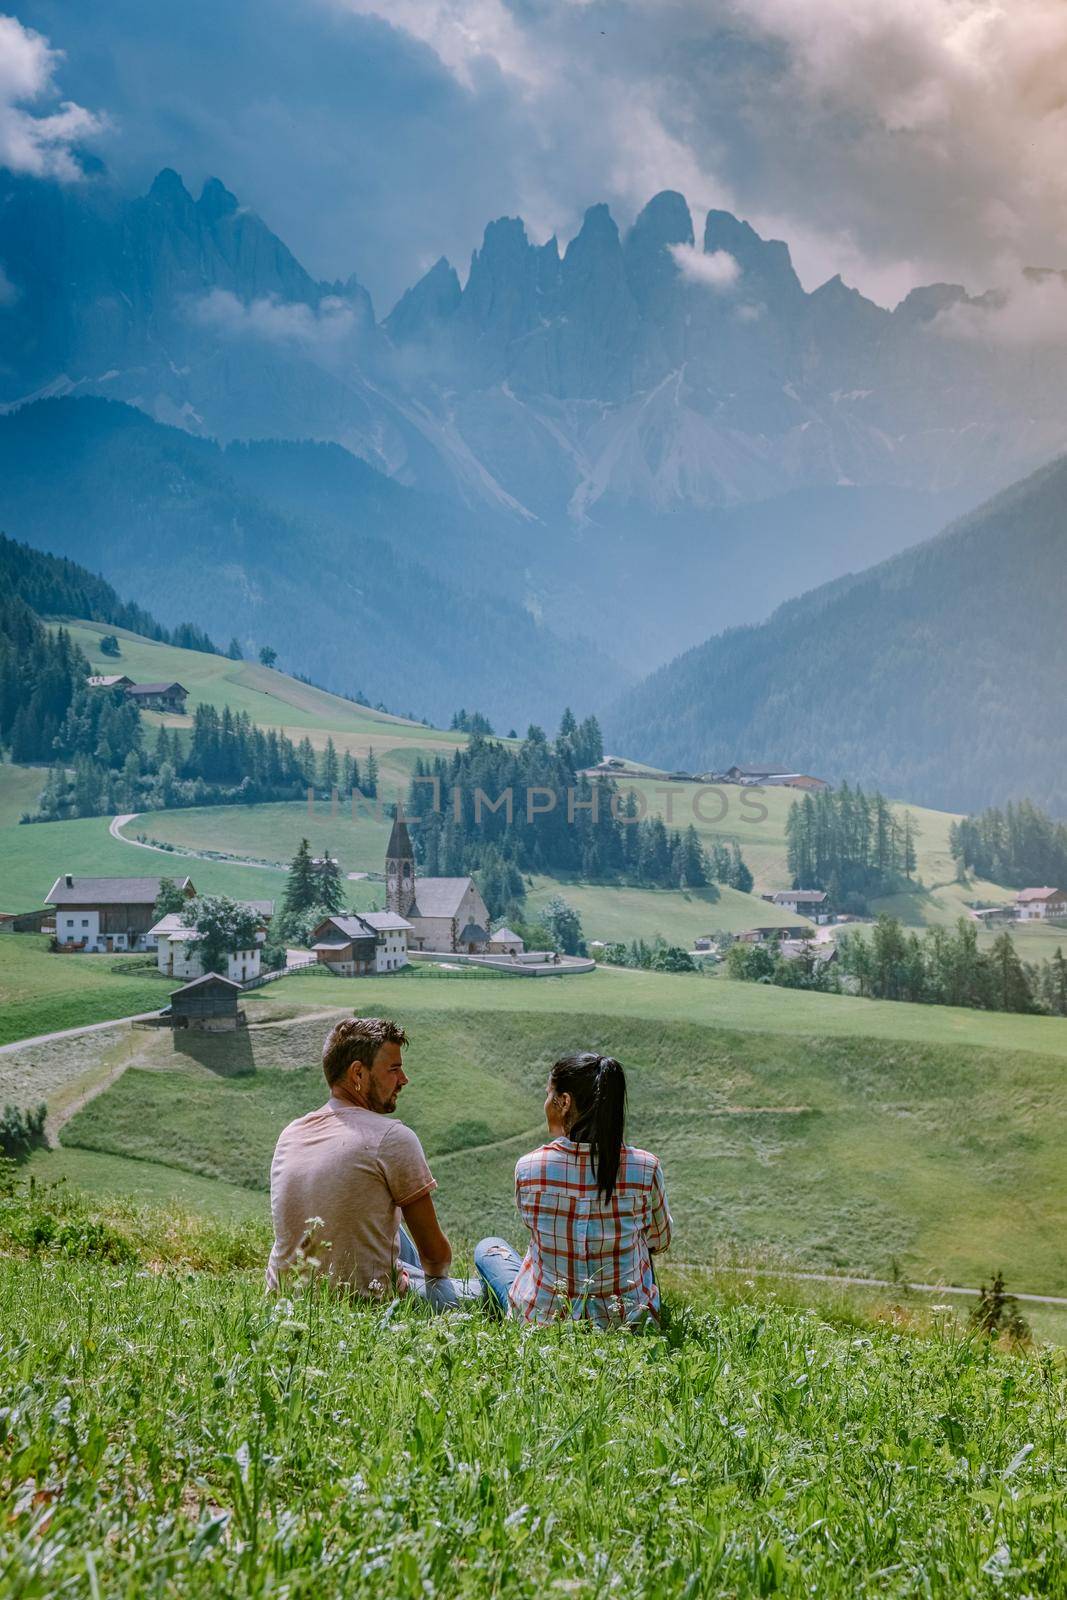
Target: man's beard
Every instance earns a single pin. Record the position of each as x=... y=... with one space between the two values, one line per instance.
x=383 y=1107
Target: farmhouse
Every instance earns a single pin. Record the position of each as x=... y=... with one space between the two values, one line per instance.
x=1040 y=905
x=806 y=902
x=158 y=696
x=108 y=913
x=445 y=914
x=774 y=778
x=362 y=942
x=178 y=955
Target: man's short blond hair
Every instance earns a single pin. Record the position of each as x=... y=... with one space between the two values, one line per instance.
x=357 y=1039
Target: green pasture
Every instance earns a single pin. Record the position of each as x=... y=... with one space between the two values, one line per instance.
x=272 y=832
x=44 y=993
x=845 y=1137
x=614 y=913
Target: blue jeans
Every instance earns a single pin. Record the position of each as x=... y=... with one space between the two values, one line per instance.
x=497 y=1264
x=442 y=1294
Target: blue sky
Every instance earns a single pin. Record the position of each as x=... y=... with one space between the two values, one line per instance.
x=898 y=141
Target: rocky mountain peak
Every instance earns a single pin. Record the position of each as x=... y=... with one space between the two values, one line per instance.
x=215 y=201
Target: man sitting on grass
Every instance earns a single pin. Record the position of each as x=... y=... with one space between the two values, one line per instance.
x=343 y=1176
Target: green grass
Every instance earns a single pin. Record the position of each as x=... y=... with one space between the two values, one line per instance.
x=612 y=913
x=181 y=1435
x=273 y=832
x=44 y=993
x=854 y=1152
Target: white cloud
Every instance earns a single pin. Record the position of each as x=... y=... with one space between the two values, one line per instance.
x=465 y=35
x=41 y=144
x=1031 y=311
x=717 y=270
x=320 y=329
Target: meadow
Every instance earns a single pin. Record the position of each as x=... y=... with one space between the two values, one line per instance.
x=888 y=1148
x=271 y=699
x=44 y=993
x=177 y=1434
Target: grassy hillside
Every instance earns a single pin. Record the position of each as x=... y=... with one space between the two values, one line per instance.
x=43 y=993
x=680 y=916
x=272 y=699
x=842 y=1134
x=300 y=1449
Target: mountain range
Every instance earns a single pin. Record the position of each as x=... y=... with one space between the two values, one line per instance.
x=937 y=674
x=571 y=465
x=664 y=431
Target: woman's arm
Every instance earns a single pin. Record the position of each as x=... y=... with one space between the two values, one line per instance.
x=659 y=1227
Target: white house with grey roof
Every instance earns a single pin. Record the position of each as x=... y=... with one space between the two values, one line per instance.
x=363 y=942
x=94 y=914
x=178 y=952
x=447 y=915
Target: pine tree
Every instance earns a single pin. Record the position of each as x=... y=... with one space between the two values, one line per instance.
x=329 y=772
x=330 y=891
x=235 y=652
x=370 y=774
x=301 y=886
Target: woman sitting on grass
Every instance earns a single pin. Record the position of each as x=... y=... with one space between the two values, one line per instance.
x=595 y=1207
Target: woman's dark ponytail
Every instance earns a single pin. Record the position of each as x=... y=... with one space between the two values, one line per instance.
x=597 y=1085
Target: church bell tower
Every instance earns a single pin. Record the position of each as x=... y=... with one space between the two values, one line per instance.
x=400 y=870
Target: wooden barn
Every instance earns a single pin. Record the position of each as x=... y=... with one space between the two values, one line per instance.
x=208 y=1004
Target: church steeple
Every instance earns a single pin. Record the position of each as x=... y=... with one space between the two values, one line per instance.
x=399 y=869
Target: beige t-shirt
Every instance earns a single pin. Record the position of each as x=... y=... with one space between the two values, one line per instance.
x=354 y=1170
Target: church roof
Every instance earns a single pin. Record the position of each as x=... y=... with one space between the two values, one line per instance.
x=399 y=844
x=439 y=897
x=504 y=936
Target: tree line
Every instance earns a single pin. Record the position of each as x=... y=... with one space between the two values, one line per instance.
x=941 y=966
x=851 y=845
x=1017 y=845
x=103 y=760
x=503 y=812
x=54 y=586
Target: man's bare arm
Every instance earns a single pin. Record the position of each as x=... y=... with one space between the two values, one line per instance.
x=435 y=1252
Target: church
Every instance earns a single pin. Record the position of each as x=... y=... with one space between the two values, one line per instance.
x=446 y=914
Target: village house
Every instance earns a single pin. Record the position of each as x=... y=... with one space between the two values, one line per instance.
x=447 y=915
x=505 y=943
x=95 y=914
x=109 y=680
x=1040 y=905
x=805 y=902
x=363 y=942
x=149 y=696
x=772 y=778
x=178 y=954
x=764 y=935
x=158 y=696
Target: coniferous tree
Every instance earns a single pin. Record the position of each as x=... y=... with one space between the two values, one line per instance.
x=301 y=886
x=330 y=885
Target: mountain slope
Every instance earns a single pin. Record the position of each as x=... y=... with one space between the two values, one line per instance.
x=175 y=523
x=938 y=674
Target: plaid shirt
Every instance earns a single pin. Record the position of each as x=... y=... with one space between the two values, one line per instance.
x=588 y=1259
